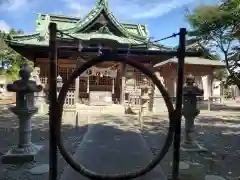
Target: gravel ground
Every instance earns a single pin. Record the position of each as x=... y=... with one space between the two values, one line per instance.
x=8 y=133
x=219 y=134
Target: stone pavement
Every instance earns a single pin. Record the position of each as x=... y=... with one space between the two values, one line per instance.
x=113 y=146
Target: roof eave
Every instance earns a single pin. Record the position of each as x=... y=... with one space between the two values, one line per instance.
x=175 y=62
x=20 y=44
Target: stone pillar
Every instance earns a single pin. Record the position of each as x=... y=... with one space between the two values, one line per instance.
x=123 y=83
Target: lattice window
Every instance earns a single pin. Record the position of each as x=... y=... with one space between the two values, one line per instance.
x=44 y=69
x=44 y=80
x=82 y=84
x=97 y=80
x=139 y=76
x=65 y=72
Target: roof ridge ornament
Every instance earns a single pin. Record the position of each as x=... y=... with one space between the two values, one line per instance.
x=104 y=29
x=42 y=26
x=103 y=3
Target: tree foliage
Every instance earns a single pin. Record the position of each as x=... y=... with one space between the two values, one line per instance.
x=217 y=28
x=10 y=61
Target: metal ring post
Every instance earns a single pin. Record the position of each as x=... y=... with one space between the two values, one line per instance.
x=53 y=159
x=59 y=107
x=180 y=81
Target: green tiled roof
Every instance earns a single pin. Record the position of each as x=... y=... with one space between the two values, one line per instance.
x=131 y=33
x=193 y=60
x=35 y=39
x=66 y=23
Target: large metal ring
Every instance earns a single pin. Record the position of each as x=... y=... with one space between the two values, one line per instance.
x=61 y=98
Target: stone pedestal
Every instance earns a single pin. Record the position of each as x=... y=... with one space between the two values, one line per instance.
x=190 y=144
x=21 y=155
x=25 y=150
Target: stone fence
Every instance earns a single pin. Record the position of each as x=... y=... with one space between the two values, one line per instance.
x=213 y=102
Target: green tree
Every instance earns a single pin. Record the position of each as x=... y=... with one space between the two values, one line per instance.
x=11 y=61
x=216 y=28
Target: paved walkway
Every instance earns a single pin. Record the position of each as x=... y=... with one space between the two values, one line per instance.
x=113 y=147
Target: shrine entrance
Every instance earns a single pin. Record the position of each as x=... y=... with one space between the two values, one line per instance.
x=100 y=86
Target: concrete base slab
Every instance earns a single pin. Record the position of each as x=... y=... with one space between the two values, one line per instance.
x=113 y=149
x=42 y=109
x=40 y=169
x=21 y=155
x=193 y=148
x=182 y=165
x=214 y=177
x=191 y=170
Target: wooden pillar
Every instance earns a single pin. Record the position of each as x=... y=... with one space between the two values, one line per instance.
x=34 y=62
x=88 y=84
x=113 y=86
x=77 y=89
x=209 y=84
x=151 y=100
x=209 y=89
x=78 y=64
x=123 y=83
x=174 y=88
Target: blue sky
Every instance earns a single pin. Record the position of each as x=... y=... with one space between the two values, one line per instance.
x=164 y=17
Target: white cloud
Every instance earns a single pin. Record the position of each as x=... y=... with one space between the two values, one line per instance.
x=134 y=9
x=148 y=9
x=4 y=26
x=20 y=6
x=77 y=8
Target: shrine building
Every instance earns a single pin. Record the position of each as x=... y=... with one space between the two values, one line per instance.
x=110 y=82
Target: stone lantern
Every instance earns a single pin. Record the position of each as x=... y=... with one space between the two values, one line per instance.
x=59 y=83
x=190 y=111
x=25 y=108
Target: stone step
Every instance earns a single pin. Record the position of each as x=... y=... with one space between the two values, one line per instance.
x=113 y=147
x=114 y=108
